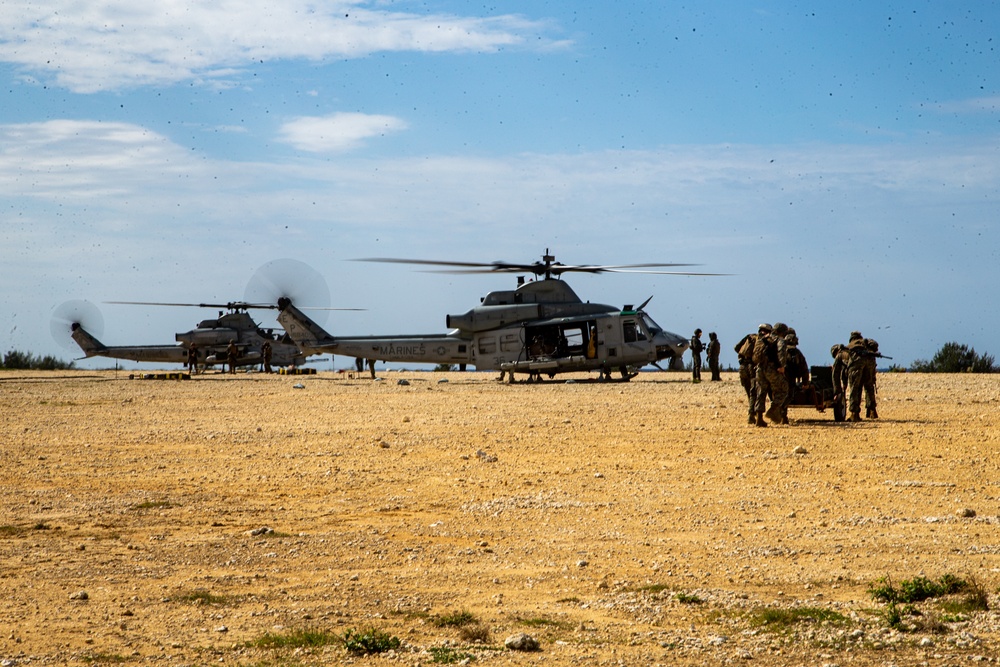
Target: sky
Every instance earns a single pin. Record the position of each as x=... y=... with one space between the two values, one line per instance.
x=839 y=161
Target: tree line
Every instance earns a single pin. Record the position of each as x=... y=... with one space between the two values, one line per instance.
x=17 y=360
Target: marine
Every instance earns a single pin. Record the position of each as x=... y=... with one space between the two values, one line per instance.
x=744 y=352
x=714 y=348
x=868 y=381
x=696 y=348
x=796 y=371
x=856 y=366
x=841 y=358
x=769 y=357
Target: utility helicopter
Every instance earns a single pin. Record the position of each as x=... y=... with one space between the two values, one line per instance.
x=211 y=337
x=540 y=328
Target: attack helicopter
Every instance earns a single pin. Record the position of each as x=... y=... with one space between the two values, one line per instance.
x=211 y=337
x=539 y=328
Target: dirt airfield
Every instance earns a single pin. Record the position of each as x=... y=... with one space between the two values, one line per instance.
x=641 y=523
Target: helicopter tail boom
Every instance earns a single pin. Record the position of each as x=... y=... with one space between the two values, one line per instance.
x=91 y=346
x=309 y=336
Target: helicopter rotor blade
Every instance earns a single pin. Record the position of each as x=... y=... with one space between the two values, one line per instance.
x=291 y=279
x=547 y=267
x=80 y=312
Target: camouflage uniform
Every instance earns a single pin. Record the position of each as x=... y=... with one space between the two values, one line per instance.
x=769 y=355
x=855 y=375
x=839 y=372
x=714 y=347
x=744 y=352
x=796 y=370
x=868 y=382
x=696 y=347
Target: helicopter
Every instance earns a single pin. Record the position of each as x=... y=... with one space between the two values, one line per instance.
x=211 y=337
x=539 y=328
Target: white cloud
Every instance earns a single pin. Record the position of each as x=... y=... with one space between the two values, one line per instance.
x=114 y=44
x=336 y=132
x=971 y=105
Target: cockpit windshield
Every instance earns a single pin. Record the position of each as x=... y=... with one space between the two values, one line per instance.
x=653 y=328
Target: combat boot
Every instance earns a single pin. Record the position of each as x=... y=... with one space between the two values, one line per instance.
x=855 y=417
x=874 y=413
x=760 y=420
x=751 y=419
x=773 y=414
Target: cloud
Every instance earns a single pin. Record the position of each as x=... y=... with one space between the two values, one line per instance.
x=971 y=105
x=336 y=132
x=116 y=44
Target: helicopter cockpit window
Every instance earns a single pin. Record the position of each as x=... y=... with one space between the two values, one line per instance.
x=632 y=331
x=652 y=326
x=629 y=331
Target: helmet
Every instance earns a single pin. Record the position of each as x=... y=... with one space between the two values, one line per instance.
x=765 y=328
x=834 y=350
x=791 y=339
x=780 y=328
x=855 y=334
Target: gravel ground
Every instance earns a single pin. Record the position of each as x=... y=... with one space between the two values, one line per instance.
x=190 y=522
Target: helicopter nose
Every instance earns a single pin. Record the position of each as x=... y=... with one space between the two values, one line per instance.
x=669 y=345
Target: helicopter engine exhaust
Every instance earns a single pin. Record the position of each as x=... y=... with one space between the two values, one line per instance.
x=485 y=318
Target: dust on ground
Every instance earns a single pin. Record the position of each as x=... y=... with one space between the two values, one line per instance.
x=187 y=522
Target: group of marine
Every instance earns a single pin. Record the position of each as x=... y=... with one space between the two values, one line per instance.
x=772 y=368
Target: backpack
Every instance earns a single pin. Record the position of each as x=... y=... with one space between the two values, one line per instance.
x=760 y=349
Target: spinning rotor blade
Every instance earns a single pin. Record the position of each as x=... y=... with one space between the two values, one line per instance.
x=291 y=279
x=548 y=267
x=232 y=304
x=73 y=312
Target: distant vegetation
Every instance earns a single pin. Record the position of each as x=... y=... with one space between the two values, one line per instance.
x=955 y=358
x=17 y=360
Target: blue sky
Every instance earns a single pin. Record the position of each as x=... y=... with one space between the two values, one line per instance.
x=841 y=160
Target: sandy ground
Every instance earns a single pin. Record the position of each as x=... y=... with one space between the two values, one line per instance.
x=182 y=522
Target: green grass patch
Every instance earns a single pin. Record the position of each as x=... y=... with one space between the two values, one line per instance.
x=777 y=619
x=367 y=642
x=917 y=589
x=296 y=639
x=688 y=598
x=455 y=619
x=446 y=655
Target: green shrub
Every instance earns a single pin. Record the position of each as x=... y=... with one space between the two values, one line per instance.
x=369 y=641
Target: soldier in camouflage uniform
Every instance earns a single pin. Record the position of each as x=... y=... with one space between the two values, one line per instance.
x=839 y=372
x=769 y=356
x=714 y=348
x=744 y=352
x=796 y=371
x=696 y=348
x=855 y=374
x=868 y=382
